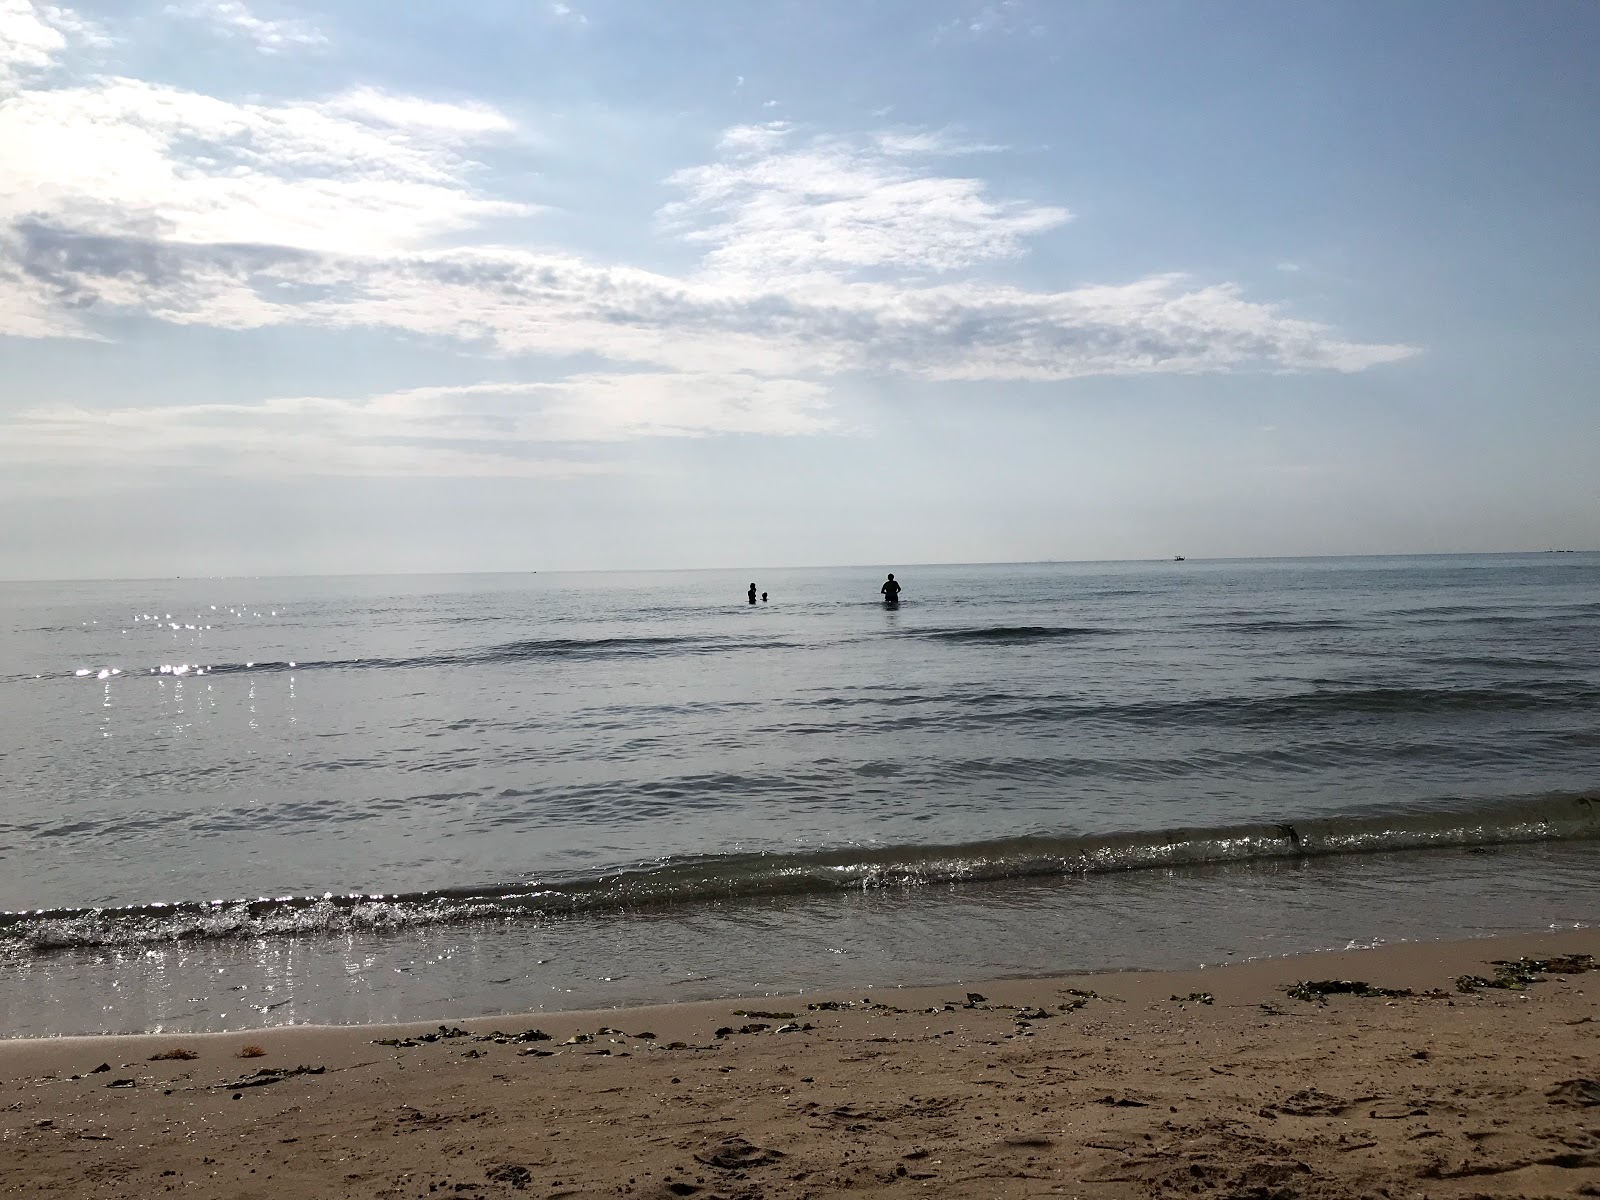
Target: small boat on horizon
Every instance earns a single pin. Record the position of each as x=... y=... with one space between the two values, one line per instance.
x=1177 y=558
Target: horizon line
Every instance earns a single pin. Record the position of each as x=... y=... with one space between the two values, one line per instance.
x=802 y=566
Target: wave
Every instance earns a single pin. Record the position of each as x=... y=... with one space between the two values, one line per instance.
x=1325 y=702
x=1003 y=709
x=1279 y=625
x=509 y=652
x=1010 y=633
x=718 y=878
x=1559 y=618
x=573 y=649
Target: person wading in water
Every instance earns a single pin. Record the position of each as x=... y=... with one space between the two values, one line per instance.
x=890 y=590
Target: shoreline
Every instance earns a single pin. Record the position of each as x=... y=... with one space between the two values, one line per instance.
x=1415 y=957
x=1103 y=1084
x=1167 y=919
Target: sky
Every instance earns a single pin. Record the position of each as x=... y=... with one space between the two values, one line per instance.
x=457 y=285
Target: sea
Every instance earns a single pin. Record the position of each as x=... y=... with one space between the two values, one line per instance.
x=242 y=802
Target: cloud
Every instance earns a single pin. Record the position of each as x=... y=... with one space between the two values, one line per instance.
x=822 y=256
x=410 y=114
x=519 y=302
x=1003 y=18
x=774 y=206
x=360 y=171
x=28 y=41
x=1160 y=325
x=34 y=36
x=994 y=18
x=221 y=286
x=233 y=18
x=31 y=305
x=492 y=429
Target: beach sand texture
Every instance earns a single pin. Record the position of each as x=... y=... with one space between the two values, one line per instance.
x=1105 y=1085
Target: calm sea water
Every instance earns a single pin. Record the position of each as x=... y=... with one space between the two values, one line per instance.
x=244 y=800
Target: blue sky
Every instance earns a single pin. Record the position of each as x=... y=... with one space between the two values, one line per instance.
x=514 y=284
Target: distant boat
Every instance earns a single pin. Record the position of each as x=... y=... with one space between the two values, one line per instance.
x=1177 y=558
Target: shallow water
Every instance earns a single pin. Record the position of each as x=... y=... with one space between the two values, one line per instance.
x=869 y=938
x=227 y=772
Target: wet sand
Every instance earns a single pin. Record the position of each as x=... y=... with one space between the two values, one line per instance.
x=1216 y=1083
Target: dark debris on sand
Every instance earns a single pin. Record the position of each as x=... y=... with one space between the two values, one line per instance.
x=450 y=1033
x=1516 y=974
x=1319 y=989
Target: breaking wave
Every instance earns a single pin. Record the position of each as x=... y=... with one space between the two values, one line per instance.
x=716 y=878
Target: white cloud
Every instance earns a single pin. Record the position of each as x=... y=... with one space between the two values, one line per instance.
x=362 y=171
x=524 y=303
x=1003 y=18
x=773 y=208
x=1159 y=325
x=414 y=115
x=994 y=18
x=823 y=255
x=233 y=18
x=495 y=429
x=684 y=404
x=922 y=143
x=28 y=42
x=34 y=36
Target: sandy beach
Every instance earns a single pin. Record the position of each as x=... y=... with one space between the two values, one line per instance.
x=1221 y=1083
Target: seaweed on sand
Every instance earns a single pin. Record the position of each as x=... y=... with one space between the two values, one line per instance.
x=1516 y=974
x=1320 y=989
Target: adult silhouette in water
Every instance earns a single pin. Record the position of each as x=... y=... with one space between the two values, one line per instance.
x=891 y=591
x=752 y=593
